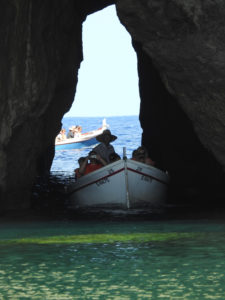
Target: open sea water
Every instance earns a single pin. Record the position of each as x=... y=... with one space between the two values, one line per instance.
x=112 y=258
x=127 y=129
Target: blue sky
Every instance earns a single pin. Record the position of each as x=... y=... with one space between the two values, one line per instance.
x=107 y=79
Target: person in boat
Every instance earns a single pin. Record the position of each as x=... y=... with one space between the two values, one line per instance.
x=61 y=136
x=77 y=170
x=63 y=132
x=134 y=155
x=104 y=149
x=141 y=155
x=91 y=163
x=77 y=130
x=114 y=157
x=70 y=134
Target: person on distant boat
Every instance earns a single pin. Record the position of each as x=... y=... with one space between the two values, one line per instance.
x=141 y=155
x=77 y=170
x=61 y=136
x=104 y=149
x=114 y=157
x=91 y=163
x=70 y=134
x=58 y=138
x=77 y=130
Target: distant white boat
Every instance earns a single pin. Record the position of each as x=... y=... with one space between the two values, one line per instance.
x=83 y=140
x=125 y=184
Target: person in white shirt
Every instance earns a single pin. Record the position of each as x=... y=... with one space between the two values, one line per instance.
x=104 y=149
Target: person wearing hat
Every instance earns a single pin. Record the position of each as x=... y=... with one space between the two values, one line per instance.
x=104 y=149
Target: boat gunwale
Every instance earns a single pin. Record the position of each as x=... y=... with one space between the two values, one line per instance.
x=87 y=181
x=83 y=137
x=75 y=140
x=93 y=182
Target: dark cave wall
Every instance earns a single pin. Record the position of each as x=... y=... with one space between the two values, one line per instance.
x=185 y=40
x=43 y=40
x=180 y=47
x=172 y=142
x=40 y=54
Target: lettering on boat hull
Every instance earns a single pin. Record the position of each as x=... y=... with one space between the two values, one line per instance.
x=102 y=181
x=146 y=178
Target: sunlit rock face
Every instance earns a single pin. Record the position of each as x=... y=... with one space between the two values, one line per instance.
x=180 y=50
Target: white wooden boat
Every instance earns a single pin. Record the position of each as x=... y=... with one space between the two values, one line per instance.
x=123 y=184
x=83 y=140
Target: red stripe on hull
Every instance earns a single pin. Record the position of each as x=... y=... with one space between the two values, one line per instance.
x=92 y=182
x=136 y=171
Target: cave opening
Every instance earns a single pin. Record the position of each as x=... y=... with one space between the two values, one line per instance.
x=108 y=72
x=107 y=86
x=167 y=131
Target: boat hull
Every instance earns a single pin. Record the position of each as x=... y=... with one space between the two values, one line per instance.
x=83 y=140
x=76 y=145
x=123 y=184
x=147 y=186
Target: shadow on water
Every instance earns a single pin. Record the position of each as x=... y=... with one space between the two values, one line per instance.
x=49 y=200
x=56 y=253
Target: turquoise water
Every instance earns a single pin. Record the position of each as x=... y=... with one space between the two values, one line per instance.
x=103 y=260
x=183 y=259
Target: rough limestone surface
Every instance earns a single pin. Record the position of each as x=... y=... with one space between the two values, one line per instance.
x=40 y=54
x=185 y=40
x=180 y=48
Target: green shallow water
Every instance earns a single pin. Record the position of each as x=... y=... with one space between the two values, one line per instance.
x=113 y=260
